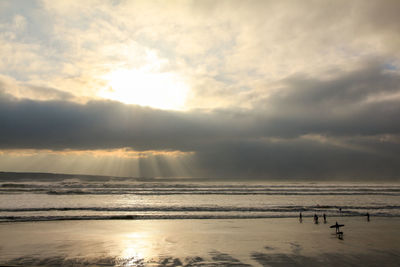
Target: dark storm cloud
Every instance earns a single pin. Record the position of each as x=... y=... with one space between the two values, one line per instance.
x=299 y=159
x=344 y=126
x=352 y=104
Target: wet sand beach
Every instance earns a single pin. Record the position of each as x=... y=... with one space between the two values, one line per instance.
x=255 y=242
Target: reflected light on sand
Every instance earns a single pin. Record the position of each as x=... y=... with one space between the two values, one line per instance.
x=136 y=246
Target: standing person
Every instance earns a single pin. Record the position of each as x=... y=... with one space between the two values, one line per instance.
x=315 y=218
x=300 y=217
x=324 y=218
x=368 y=216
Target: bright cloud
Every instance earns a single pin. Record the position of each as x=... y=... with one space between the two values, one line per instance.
x=220 y=76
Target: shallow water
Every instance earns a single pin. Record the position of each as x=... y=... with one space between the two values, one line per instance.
x=76 y=199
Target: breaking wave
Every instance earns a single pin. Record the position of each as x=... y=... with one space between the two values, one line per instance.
x=206 y=209
x=195 y=189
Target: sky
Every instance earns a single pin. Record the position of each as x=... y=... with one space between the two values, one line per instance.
x=272 y=90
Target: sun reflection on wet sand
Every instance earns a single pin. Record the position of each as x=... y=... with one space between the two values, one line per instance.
x=196 y=242
x=136 y=248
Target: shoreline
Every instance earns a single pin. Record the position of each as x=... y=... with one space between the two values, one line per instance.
x=141 y=217
x=174 y=218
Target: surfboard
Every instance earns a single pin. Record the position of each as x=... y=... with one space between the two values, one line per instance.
x=334 y=226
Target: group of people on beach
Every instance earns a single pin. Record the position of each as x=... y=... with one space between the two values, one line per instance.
x=337 y=226
x=324 y=216
x=316 y=218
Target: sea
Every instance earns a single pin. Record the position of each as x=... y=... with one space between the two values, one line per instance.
x=52 y=197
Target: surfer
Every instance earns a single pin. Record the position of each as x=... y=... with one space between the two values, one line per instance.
x=324 y=218
x=337 y=226
x=368 y=216
x=300 y=217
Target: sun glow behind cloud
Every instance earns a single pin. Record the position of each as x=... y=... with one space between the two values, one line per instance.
x=146 y=84
x=164 y=90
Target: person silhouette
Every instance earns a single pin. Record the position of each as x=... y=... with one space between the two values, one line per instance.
x=337 y=227
x=368 y=216
x=315 y=218
x=324 y=218
x=300 y=217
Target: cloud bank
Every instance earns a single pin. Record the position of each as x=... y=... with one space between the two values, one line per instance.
x=344 y=126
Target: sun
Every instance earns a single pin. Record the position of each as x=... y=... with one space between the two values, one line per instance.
x=162 y=90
